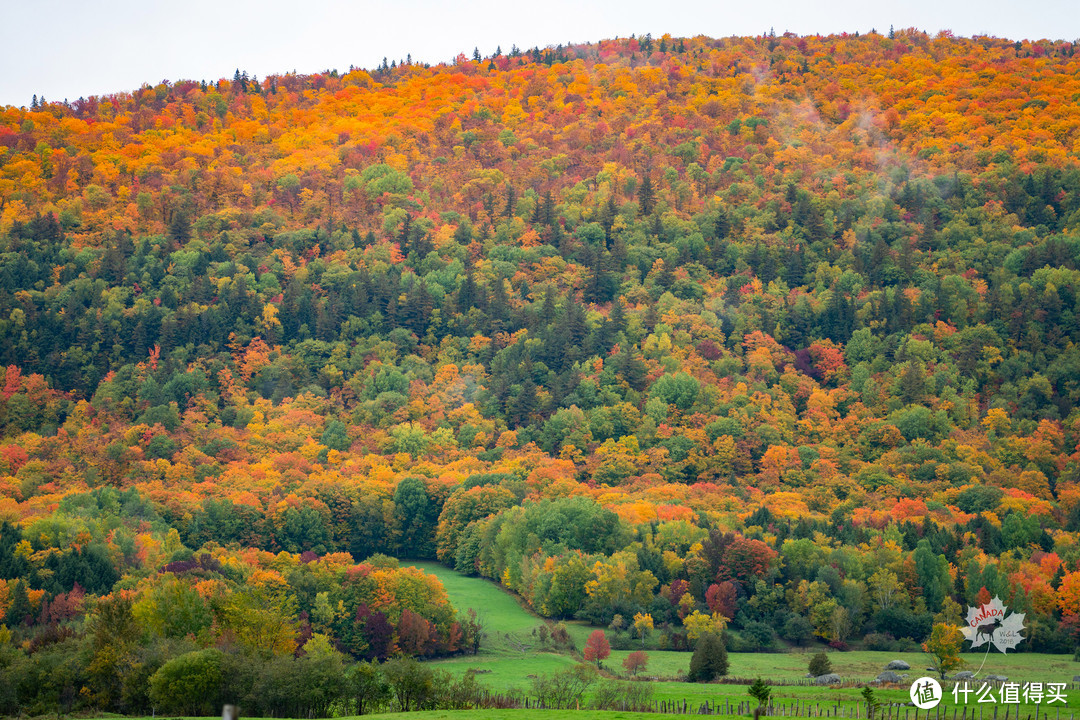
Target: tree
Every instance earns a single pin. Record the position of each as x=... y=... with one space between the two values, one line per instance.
x=709 y=660
x=797 y=630
x=699 y=624
x=744 y=558
x=646 y=195
x=189 y=684
x=884 y=585
x=414 y=519
x=944 y=648
x=368 y=687
x=871 y=702
x=180 y=228
x=820 y=664
x=411 y=683
x=643 y=624
x=760 y=691
x=597 y=647
x=636 y=661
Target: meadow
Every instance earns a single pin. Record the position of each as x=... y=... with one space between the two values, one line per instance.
x=511 y=656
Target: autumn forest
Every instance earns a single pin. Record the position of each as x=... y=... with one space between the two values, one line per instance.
x=775 y=337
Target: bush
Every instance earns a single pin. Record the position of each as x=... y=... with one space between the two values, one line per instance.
x=879 y=641
x=564 y=689
x=820 y=664
x=622 y=695
x=412 y=684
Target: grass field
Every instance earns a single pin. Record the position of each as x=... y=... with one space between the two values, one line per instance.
x=505 y=665
x=528 y=715
x=499 y=611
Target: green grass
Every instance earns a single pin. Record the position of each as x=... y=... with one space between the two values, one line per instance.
x=504 y=665
x=501 y=612
x=527 y=715
x=502 y=672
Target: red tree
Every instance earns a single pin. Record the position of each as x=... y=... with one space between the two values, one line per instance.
x=721 y=598
x=744 y=559
x=635 y=662
x=597 y=647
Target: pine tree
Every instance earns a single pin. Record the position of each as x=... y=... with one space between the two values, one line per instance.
x=646 y=196
x=760 y=691
x=180 y=228
x=912 y=383
x=510 y=199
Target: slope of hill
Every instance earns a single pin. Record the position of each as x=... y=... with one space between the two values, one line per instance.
x=771 y=334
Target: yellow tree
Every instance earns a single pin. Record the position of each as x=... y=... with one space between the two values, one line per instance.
x=943 y=647
x=643 y=624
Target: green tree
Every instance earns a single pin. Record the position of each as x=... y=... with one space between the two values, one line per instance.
x=411 y=683
x=646 y=195
x=414 y=515
x=760 y=691
x=820 y=664
x=190 y=684
x=871 y=702
x=172 y=609
x=335 y=436
x=367 y=686
x=933 y=574
x=320 y=680
x=180 y=228
x=709 y=660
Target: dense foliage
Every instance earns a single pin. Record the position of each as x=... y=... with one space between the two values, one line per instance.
x=753 y=336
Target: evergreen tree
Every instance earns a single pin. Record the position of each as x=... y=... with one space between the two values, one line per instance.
x=646 y=196
x=180 y=228
x=709 y=660
x=912 y=383
x=508 y=211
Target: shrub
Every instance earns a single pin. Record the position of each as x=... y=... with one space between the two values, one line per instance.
x=820 y=664
x=879 y=641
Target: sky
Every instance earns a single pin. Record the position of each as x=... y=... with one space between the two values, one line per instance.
x=64 y=49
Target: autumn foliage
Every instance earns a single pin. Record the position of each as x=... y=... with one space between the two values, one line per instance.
x=768 y=337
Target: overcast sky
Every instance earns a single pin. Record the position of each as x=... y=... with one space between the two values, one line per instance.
x=70 y=48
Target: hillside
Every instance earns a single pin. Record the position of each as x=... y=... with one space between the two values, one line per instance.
x=775 y=336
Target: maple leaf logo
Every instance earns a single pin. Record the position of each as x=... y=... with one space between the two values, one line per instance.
x=991 y=623
x=1008 y=634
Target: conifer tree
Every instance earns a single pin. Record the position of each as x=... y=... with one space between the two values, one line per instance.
x=709 y=660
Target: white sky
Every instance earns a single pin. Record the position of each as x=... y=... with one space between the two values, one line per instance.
x=70 y=48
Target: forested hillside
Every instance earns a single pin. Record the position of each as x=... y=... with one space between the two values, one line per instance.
x=776 y=334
